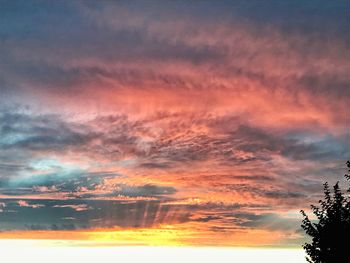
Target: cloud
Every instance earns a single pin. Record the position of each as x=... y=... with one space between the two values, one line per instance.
x=206 y=54
x=97 y=214
x=91 y=214
x=269 y=221
x=81 y=207
x=227 y=146
x=23 y=203
x=2 y=206
x=39 y=133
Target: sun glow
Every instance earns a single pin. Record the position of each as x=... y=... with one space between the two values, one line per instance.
x=167 y=235
x=180 y=235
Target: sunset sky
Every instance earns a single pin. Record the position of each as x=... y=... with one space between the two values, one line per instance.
x=176 y=123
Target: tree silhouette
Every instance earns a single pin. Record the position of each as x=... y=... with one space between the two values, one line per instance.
x=331 y=231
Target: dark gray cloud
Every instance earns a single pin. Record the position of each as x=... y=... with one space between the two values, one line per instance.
x=268 y=221
x=82 y=214
x=40 y=133
x=91 y=214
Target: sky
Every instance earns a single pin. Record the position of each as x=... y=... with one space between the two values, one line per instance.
x=177 y=123
x=42 y=251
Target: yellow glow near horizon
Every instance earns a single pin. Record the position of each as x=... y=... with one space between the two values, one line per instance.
x=164 y=235
x=167 y=235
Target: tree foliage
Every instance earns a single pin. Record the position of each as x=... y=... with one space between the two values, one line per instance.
x=330 y=233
